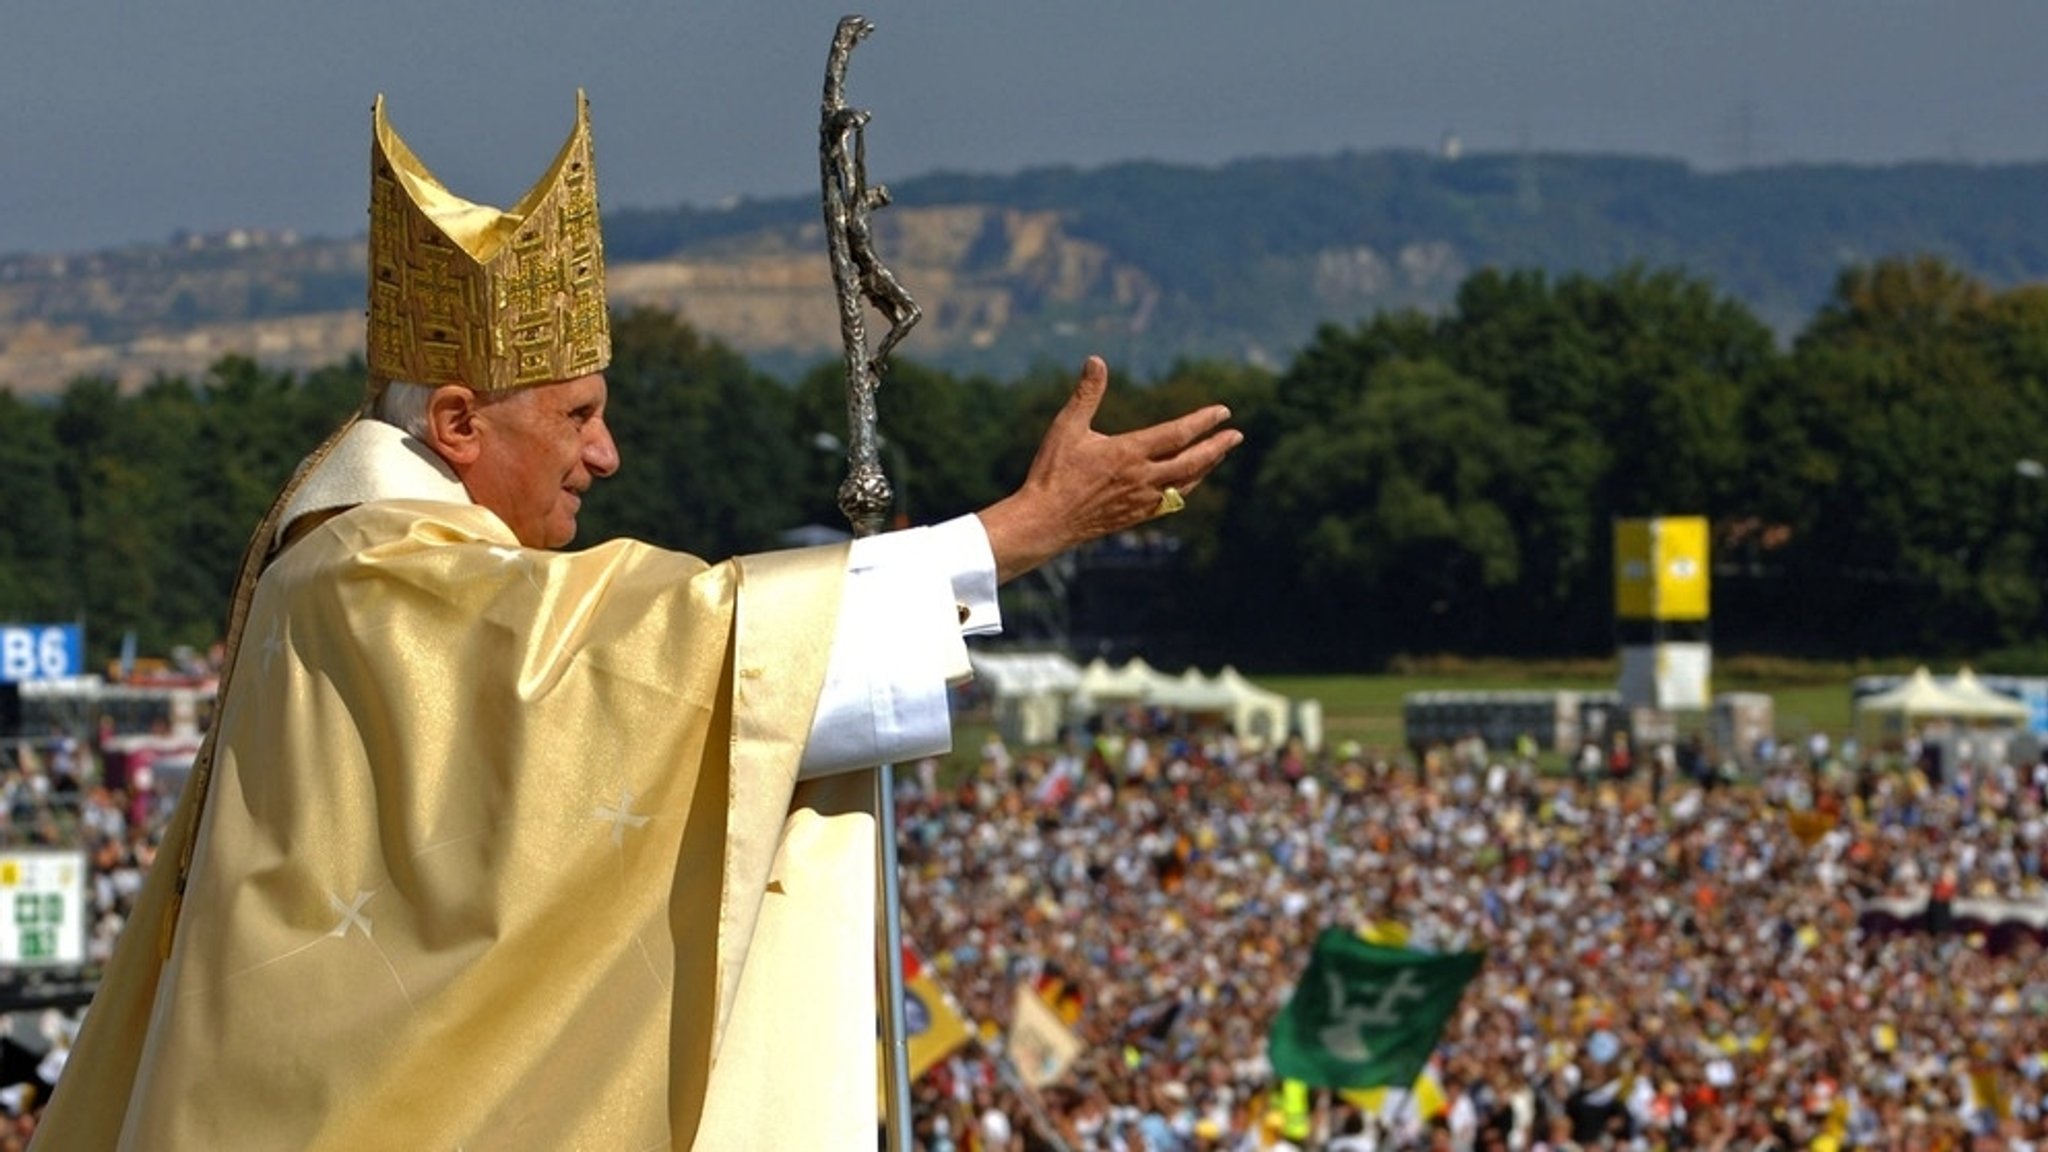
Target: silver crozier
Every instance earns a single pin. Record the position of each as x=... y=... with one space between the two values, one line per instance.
x=860 y=280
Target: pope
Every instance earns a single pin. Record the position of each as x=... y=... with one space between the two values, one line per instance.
x=494 y=845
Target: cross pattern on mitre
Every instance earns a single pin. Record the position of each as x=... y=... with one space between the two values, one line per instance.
x=464 y=293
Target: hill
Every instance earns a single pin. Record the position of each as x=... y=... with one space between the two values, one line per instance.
x=1144 y=262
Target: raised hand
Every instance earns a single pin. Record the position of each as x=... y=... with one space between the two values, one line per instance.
x=1083 y=485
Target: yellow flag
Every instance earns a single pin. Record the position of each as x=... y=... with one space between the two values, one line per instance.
x=1986 y=1093
x=934 y=1025
x=1385 y=933
x=1425 y=1098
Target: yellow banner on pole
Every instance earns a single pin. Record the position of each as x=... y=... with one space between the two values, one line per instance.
x=1660 y=568
x=933 y=1024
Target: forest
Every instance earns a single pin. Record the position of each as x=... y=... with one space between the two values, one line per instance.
x=1440 y=482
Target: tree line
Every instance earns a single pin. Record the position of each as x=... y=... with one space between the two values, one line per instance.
x=1440 y=482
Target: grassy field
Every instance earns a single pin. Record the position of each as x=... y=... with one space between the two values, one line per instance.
x=1368 y=708
x=1806 y=697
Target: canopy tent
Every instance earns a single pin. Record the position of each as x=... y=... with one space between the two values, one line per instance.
x=1988 y=702
x=1034 y=693
x=1261 y=714
x=1135 y=681
x=1258 y=716
x=1030 y=692
x=1916 y=695
x=1920 y=697
x=1194 y=692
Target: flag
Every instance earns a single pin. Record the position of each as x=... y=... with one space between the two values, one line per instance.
x=1810 y=825
x=1385 y=933
x=1063 y=995
x=933 y=1026
x=1150 y=1023
x=1363 y=1015
x=1041 y=1046
x=1982 y=1092
x=1422 y=1102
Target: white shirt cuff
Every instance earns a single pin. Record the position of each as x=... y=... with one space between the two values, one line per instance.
x=909 y=598
x=960 y=547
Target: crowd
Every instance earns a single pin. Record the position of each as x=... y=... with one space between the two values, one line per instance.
x=1671 y=962
x=56 y=793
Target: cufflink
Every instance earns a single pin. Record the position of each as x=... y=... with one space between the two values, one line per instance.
x=964 y=613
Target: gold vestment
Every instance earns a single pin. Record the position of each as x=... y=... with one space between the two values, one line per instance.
x=503 y=849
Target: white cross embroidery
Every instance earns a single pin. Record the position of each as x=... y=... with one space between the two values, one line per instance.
x=516 y=558
x=621 y=816
x=272 y=644
x=351 y=914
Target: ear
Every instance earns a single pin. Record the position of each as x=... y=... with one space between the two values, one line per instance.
x=452 y=425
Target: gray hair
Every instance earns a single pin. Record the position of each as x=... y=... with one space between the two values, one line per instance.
x=404 y=405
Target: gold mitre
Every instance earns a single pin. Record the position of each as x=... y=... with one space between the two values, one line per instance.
x=463 y=293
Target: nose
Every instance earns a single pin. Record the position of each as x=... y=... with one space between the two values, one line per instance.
x=600 y=454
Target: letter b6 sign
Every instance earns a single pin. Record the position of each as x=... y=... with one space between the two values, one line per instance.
x=40 y=652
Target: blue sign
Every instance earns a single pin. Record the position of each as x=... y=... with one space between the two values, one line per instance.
x=2035 y=693
x=41 y=652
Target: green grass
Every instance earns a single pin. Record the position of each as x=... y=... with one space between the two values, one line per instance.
x=1806 y=696
x=1368 y=708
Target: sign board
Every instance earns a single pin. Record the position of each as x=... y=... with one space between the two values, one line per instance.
x=42 y=909
x=41 y=652
x=1660 y=568
x=1666 y=676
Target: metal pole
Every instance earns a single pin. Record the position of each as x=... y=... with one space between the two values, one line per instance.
x=860 y=280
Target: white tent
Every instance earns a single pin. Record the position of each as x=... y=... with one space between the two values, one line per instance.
x=1102 y=684
x=1258 y=716
x=1920 y=697
x=1916 y=695
x=1030 y=692
x=1308 y=722
x=1985 y=703
x=1261 y=714
x=1194 y=692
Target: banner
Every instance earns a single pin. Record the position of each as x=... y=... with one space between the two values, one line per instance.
x=936 y=1027
x=43 y=909
x=933 y=1025
x=1660 y=568
x=1364 y=1016
x=1041 y=1046
x=41 y=652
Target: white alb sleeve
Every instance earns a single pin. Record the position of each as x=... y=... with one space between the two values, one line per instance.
x=909 y=600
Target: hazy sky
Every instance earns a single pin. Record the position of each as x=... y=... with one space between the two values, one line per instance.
x=122 y=121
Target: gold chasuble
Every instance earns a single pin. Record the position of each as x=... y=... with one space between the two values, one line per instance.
x=499 y=848
x=503 y=850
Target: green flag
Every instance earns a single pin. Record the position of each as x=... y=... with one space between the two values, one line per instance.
x=1363 y=1015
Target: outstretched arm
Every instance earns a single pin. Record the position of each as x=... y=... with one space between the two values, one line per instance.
x=885 y=696
x=1084 y=485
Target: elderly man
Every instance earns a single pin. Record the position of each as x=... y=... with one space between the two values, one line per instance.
x=494 y=846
